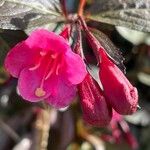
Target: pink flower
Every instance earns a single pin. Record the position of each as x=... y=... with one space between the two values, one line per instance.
x=46 y=68
x=94 y=107
x=119 y=92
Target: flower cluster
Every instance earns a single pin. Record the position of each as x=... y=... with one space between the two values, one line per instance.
x=47 y=69
x=117 y=93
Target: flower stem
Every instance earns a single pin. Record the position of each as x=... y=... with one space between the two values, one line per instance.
x=92 y=39
x=43 y=126
x=63 y=5
x=81 y=7
x=78 y=45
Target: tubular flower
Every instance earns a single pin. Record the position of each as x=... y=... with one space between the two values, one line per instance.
x=95 y=109
x=46 y=68
x=119 y=92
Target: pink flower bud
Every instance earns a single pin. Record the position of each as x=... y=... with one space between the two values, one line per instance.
x=121 y=95
x=95 y=109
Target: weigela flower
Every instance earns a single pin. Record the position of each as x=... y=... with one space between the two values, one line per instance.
x=46 y=68
x=95 y=109
x=119 y=92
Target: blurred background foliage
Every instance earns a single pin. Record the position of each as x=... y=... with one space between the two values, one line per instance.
x=22 y=123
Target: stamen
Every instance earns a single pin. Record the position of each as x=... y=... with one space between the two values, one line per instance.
x=35 y=67
x=40 y=92
x=53 y=69
x=57 y=69
x=49 y=74
x=39 y=62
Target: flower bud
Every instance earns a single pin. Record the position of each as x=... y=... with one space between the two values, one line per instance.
x=95 y=109
x=119 y=92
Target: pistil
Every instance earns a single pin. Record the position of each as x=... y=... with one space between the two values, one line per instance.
x=40 y=92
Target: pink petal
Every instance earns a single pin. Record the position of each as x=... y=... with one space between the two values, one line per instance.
x=76 y=69
x=18 y=58
x=62 y=94
x=47 y=41
x=28 y=83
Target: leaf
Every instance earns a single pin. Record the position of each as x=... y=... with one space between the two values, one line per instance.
x=139 y=118
x=134 y=14
x=137 y=37
x=26 y=14
x=110 y=48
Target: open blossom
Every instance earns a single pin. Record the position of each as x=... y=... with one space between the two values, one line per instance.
x=119 y=92
x=95 y=109
x=46 y=68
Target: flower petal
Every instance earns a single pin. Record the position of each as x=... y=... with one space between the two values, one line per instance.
x=76 y=69
x=47 y=41
x=29 y=81
x=62 y=94
x=18 y=58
